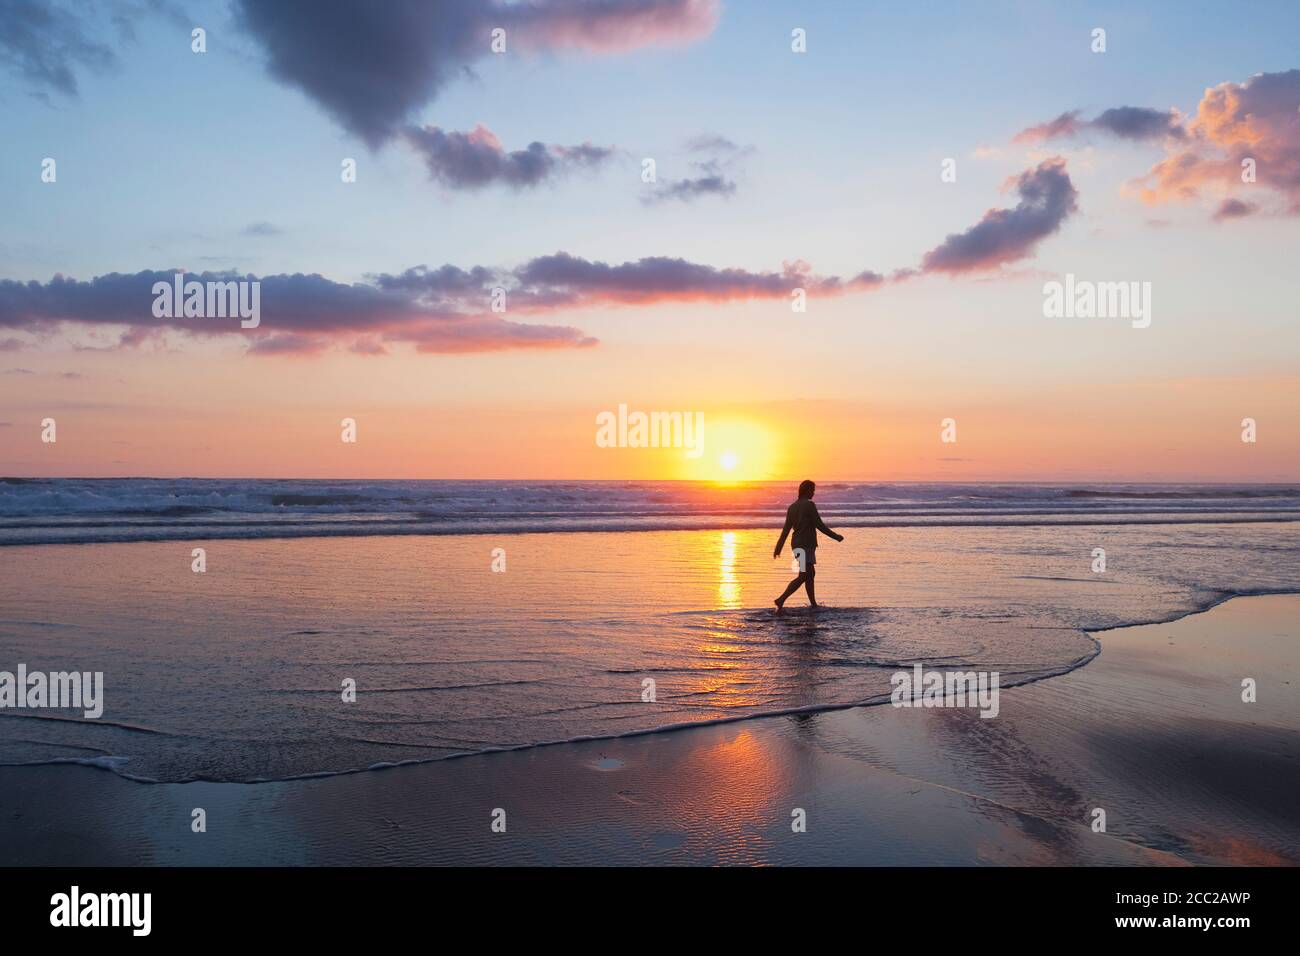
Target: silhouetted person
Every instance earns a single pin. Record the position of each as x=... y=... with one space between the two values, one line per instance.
x=803 y=519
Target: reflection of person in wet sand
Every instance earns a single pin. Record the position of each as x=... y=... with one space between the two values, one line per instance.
x=802 y=518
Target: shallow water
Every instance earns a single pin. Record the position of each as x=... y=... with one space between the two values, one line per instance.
x=235 y=674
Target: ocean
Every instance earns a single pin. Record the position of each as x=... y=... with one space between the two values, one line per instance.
x=70 y=510
x=480 y=615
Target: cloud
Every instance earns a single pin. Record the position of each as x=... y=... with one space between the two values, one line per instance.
x=262 y=229
x=711 y=182
x=45 y=44
x=476 y=159
x=371 y=66
x=1139 y=123
x=492 y=333
x=444 y=309
x=565 y=280
x=1067 y=124
x=451 y=309
x=300 y=313
x=1047 y=198
x=606 y=26
x=713 y=177
x=1257 y=120
x=711 y=143
x=1135 y=123
x=1233 y=209
x=291 y=343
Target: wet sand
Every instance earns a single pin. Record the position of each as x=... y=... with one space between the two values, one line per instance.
x=1153 y=731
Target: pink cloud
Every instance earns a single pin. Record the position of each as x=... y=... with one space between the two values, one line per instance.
x=613 y=26
x=1067 y=124
x=1257 y=121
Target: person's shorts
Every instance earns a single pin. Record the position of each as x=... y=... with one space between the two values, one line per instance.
x=809 y=557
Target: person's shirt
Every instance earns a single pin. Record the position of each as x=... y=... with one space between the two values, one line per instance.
x=802 y=518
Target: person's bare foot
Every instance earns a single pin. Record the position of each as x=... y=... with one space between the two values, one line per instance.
x=778 y=604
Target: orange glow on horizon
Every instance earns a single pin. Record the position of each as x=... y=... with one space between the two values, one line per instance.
x=230 y=425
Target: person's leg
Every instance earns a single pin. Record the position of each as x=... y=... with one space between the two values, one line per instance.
x=790 y=589
x=808 y=584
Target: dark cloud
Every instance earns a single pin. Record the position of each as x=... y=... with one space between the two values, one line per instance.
x=1047 y=198
x=46 y=43
x=1136 y=123
x=562 y=279
x=446 y=283
x=369 y=66
x=373 y=65
x=476 y=159
x=300 y=313
x=712 y=181
x=1139 y=123
x=436 y=309
x=1233 y=209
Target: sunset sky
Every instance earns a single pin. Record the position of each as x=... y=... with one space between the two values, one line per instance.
x=775 y=170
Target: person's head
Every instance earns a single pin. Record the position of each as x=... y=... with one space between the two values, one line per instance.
x=806 y=488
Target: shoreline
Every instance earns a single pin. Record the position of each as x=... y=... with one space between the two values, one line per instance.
x=1018 y=786
x=844 y=521
x=107 y=763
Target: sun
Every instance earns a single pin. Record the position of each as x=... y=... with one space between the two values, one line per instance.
x=732 y=451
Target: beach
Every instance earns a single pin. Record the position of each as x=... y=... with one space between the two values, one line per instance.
x=1153 y=730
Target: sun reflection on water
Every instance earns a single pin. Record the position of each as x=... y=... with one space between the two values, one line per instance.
x=728 y=583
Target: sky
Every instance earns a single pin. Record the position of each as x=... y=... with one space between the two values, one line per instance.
x=920 y=171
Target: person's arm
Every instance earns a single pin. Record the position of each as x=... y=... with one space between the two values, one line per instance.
x=821 y=526
x=785 y=532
